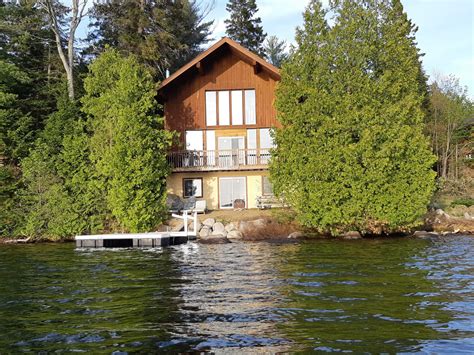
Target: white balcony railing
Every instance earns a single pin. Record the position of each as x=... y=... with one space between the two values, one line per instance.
x=219 y=159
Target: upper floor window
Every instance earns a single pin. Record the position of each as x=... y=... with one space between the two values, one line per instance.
x=230 y=107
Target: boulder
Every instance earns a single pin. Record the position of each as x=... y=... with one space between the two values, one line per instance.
x=423 y=234
x=468 y=216
x=234 y=234
x=223 y=233
x=230 y=227
x=352 y=235
x=204 y=232
x=191 y=225
x=296 y=235
x=209 y=222
x=218 y=227
x=179 y=227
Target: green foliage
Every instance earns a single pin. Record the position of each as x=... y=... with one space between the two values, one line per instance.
x=243 y=27
x=449 y=125
x=275 y=51
x=128 y=143
x=468 y=202
x=162 y=34
x=351 y=154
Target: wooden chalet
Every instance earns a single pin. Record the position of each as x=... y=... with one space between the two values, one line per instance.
x=221 y=104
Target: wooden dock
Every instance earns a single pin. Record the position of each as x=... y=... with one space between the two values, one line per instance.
x=140 y=240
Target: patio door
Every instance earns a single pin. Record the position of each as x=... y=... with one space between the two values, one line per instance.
x=231 y=151
x=231 y=189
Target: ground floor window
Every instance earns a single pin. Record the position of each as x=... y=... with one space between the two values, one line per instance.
x=233 y=192
x=192 y=187
x=267 y=187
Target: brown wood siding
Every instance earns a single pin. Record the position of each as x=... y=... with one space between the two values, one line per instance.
x=184 y=99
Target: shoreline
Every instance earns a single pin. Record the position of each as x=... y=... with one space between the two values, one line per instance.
x=269 y=229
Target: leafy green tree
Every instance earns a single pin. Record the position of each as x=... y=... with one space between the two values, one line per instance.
x=450 y=108
x=244 y=27
x=128 y=144
x=351 y=154
x=164 y=35
x=47 y=205
x=275 y=51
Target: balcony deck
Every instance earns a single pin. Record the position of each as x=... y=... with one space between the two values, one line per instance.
x=219 y=160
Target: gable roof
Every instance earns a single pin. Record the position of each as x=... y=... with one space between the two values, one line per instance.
x=225 y=41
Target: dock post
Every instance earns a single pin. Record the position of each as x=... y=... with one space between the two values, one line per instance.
x=185 y=219
x=195 y=224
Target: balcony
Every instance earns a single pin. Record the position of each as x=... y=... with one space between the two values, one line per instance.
x=219 y=160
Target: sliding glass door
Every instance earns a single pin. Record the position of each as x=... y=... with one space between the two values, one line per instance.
x=232 y=189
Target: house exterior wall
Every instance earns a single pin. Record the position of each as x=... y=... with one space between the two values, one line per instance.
x=210 y=185
x=185 y=99
x=185 y=110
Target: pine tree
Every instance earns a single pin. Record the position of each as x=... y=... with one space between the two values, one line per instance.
x=244 y=27
x=162 y=34
x=128 y=144
x=275 y=51
x=351 y=154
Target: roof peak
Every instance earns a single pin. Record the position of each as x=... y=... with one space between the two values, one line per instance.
x=257 y=60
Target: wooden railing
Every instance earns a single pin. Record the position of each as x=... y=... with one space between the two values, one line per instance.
x=219 y=159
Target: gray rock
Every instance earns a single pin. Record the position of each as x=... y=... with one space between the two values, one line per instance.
x=230 y=227
x=296 y=235
x=191 y=225
x=352 y=235
x=468 y=216
x=204 y=232
x=218 y=227
x=223 y=233
x=234 y=234
x=423 y=234
x=179 y=227
x=209 y=222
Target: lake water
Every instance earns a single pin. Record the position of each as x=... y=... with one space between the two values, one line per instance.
x=394 y=295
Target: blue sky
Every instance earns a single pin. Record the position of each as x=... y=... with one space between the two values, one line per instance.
x=445 y=34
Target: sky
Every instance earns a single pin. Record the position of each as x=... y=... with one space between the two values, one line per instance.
x=445 y=31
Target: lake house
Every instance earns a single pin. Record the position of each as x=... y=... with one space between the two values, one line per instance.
x=221 y=104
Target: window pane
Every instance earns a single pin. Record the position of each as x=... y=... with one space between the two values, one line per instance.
x=211 y=147
x=194 y=140
x=211 y=108
x=192 y=187
x=266 y=140
x=224 y=114
x=267 y=188
x=251 y=146
x=250 y=115
x=237 y=117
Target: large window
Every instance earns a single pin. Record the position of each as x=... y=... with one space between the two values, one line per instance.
x=230 y=107
x=211 y=108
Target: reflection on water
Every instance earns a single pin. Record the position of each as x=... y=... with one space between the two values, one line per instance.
x=377 y=296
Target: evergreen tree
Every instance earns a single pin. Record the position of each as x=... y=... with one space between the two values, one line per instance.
x=244 y=27
x=128 y=144
x=162 y=34
x=275 y=51
x=351 y=154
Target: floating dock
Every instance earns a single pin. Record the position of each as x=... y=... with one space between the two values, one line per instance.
x=140 y=240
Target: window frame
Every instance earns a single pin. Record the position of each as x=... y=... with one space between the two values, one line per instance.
x=192 y=179
x=231 y=118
